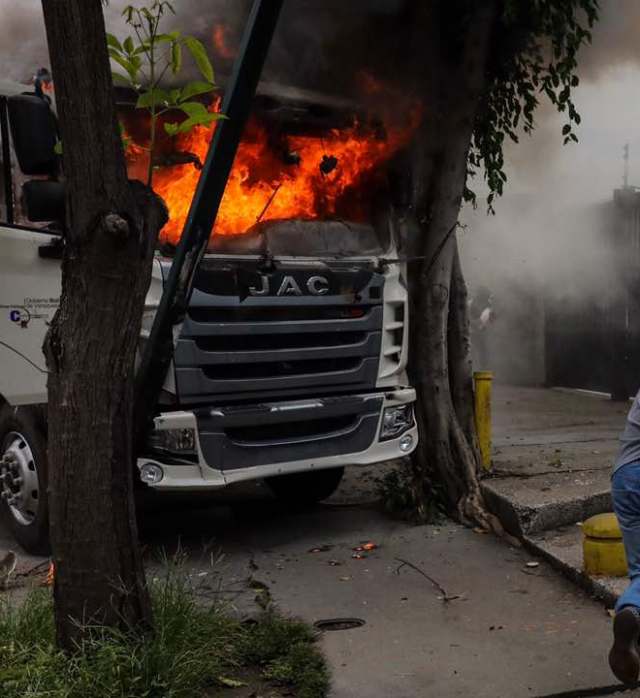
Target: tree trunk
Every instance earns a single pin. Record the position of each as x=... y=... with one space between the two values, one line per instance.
x=459 y=345
x=441 y=364
x=112 y=228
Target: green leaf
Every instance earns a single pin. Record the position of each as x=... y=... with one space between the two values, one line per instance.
x=566 y=129
x=194 y=110
x=153 y=98
x=190 y=123
x=199 y=54
x=113 y=43
x=168 y=38
x=121 y=79
x=129 y=66
x=144 y=47
x=171 y=129
x=176 y=57
x=197 y=87
x=128 y=45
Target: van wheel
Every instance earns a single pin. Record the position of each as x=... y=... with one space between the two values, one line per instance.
x=23 y=479
x=305 y=488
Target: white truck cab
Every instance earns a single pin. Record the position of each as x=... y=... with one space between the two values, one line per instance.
x=289 y=365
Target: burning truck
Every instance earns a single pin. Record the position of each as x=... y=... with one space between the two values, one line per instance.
x=290 y=361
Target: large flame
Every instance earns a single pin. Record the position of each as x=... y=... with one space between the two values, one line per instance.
x=305 y=177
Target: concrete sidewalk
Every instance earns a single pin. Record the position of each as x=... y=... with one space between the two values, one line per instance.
x=514 y=629
x=553 y=454
x=552 y=457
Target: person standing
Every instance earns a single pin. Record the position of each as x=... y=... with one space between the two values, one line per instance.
x=624 y=658
x=481 y=315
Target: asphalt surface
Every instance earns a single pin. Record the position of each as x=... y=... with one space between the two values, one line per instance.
x=512 y=630
x=506 y=628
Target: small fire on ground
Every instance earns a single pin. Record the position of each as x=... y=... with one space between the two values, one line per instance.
x=51 y=575
x=313 y=177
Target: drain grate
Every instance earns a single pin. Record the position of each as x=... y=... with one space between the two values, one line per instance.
x=338 y=624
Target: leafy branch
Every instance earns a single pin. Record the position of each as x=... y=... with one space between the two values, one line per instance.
x=143 y=63
x=535 y=56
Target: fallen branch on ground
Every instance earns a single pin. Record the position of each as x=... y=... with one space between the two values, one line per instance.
x=445 y=596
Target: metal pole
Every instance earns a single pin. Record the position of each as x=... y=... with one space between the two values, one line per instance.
x=236 y=106
x=482 y=390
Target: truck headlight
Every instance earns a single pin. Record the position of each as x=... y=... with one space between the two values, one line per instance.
x=174 y=440
x=395 y=421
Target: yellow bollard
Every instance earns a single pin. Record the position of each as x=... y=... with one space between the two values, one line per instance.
x=482 y=388
x=602 y=547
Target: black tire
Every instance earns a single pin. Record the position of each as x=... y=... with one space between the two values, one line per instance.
x=300 y=489
x=21 y=429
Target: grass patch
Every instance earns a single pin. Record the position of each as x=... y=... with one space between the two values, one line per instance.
x=196 y=651
x=285 y=650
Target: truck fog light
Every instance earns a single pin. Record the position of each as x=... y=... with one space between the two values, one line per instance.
x=151 y=473
x=406 y=443
x=174 y=440
x=395 y=421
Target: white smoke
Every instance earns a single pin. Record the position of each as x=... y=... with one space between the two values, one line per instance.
x=23 y=44
x=552 y=236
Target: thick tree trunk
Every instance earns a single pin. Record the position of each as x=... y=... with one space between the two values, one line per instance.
x=459 y=345
x=441 y=365
x=90 y=348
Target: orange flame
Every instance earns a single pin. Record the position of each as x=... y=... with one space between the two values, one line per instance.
x=221 y=42
x=51 y=575
x=325 y=176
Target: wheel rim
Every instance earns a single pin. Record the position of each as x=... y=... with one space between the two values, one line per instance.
x=19 y=479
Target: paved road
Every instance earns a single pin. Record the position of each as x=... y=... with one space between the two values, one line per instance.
x=514 y=630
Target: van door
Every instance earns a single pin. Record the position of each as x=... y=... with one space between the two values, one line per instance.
x=29 y=297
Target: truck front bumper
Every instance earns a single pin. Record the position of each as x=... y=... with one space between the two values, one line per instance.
x=240 y=443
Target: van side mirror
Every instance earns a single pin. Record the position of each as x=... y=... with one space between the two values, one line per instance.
x=34 y=133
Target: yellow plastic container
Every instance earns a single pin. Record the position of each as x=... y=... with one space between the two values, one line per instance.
x=602 y=547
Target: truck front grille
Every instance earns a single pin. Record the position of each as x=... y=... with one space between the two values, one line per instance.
x=238 y=347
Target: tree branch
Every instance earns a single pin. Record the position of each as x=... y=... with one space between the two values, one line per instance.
x=446 y=598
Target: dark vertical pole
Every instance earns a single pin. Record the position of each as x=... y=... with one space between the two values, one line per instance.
x=236 y=107
x=6 y=159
